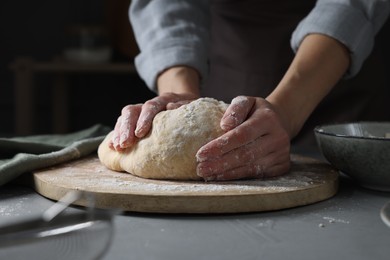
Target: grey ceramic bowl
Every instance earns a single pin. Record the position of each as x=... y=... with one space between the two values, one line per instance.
x=360 y=150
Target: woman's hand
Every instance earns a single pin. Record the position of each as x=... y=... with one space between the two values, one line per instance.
x=136 y=120
x=176 y=86
x=255 y=145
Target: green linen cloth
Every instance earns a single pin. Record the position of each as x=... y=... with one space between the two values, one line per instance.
x=19 y=155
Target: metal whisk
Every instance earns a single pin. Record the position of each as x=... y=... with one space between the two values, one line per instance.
x=55 y=235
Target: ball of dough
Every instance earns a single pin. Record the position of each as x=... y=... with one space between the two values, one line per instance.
x=169 y=150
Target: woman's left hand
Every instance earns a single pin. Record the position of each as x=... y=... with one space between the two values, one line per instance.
x=256 y=143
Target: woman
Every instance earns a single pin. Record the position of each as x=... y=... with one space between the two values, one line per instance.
x=239 y=51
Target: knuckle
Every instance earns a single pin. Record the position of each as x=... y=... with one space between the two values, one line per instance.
x=127 y=109
x=268 y=114
x=150 y=103
x=153 y=104
x=241 y=134
x=119 y=119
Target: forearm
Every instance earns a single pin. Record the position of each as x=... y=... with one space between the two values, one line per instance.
x=318 y=65
x=179 y=80
x=353 y=23
x=177 y=35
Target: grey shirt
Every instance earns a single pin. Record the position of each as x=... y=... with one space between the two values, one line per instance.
x=177 y=32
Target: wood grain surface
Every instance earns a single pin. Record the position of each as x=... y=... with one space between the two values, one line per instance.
x=309 y=181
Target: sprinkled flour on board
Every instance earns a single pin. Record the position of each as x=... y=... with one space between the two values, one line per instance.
x=93 y=175
x=307 y=182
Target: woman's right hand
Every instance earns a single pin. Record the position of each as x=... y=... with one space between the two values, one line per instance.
x=136 y=120
x=176 y=86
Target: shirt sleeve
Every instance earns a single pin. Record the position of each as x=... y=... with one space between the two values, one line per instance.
x=170 y=33
x=352 y=22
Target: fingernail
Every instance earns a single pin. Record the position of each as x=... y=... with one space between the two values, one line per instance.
x=201 y=155
x=230 y=119
x=111 y=145
x=115 y=141
x=139 y=131
x=123 y=139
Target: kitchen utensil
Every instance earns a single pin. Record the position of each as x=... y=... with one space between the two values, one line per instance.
x=385 y=214
x=56 y=235
x=360 y=150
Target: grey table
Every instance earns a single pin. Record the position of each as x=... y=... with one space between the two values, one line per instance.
x=347 y=226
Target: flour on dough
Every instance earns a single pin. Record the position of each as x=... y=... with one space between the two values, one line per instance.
x=168 y=151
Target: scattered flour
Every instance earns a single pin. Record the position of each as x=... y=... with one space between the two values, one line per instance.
x=335 y=220
x=13 y=209
x=97 y=176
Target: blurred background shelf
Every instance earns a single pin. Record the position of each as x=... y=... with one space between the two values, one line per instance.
x=25 y=70
x=66 y=65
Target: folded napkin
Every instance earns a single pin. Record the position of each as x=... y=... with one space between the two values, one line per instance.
x=19 y=155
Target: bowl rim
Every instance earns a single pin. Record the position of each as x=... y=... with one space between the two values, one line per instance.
x=319 y=130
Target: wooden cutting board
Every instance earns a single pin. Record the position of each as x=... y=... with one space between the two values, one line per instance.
x=308 y=181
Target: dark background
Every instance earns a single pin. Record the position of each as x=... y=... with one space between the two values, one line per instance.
x=37 y=29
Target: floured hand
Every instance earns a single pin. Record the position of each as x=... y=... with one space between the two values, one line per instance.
x=255 y=144
x=136 y=120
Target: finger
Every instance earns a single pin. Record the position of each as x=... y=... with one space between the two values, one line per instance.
x=275 y=164
x=237 y=112
x=174 y=105
x=262 y=150
x=241 y=135
x=152 y=107
x=114 y=142
x=250 y=172
x=261 y=123
x=243 y=155
x=127 y=125
x=149 y=110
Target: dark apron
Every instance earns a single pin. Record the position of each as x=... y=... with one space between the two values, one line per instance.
x=250 y=52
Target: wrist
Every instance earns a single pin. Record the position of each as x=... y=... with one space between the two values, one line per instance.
x=179 y=80
x=290 y=108
x=318 y=65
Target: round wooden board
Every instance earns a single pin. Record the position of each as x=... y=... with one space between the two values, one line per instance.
x=308 y=181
